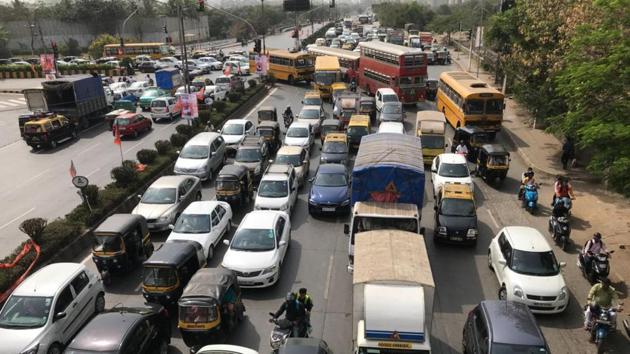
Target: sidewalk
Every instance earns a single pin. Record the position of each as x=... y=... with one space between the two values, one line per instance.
x=595 y=209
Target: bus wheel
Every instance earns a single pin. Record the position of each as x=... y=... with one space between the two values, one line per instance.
x=459 y=124
x=290 y=79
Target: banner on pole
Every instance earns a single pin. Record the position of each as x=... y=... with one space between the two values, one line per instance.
x=189 y=106
x=47 y=61
x=261 y=64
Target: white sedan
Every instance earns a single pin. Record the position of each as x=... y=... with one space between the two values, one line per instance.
x=299 y=134
x=258 y=248
x=203 y=222
x=527 y=270
x=235 y=130
x=451 y=168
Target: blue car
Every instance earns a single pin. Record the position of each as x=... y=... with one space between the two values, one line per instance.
x=330 y=191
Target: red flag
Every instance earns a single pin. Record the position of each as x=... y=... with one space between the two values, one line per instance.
x=117 y=136
x=73 y=171
x=227 y=70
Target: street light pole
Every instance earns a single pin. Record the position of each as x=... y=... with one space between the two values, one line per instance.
x=264 y=24
x=124 y=24
x=182 y=41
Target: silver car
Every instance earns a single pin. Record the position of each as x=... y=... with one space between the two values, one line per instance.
x=313 y=115
x=392 y=112
x=166 y=198
x=202 y=155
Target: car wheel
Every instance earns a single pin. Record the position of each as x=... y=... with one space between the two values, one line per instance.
x=99 y=303
x=53 y=144
x=489 y=260
x=55 y=348
x=502 y=293
x=210 y=255
x=74 y=133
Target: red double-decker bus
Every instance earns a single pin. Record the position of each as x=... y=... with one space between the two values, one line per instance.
x=401 y=68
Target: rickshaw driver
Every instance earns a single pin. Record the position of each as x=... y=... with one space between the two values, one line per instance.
x=229 y=299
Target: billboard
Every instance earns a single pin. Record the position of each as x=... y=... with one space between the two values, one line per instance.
x=188 y=103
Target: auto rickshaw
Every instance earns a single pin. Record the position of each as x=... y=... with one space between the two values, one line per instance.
x=329 y=125
x=267 y=113
x=474 y=137
x=270 y=131
x=493 y=162
x=358 y=127
x=234 y=185
x=337 y=89
x=210 y=307
x=167 y=271
x=120 y=242
x=367 y=105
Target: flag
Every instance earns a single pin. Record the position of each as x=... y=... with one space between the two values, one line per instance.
x=73 y=171
x=117 y=136
x=228 y=70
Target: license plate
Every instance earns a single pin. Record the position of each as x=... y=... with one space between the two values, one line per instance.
x=457 y=238
x=542 y=304
x=328 y=209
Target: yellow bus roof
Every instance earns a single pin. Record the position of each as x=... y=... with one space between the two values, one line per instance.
x=312 y=94
x=337 y=52
x=466 y=84
x=336 y=136
x=134 y=44
x=282 y=53
x=457 y=191
x=359 y=119
x=327 y=63
x=339 y=86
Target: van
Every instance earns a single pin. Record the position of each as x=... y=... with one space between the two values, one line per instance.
x=44 y=313
x=201 y=156
x=165 y=107
x=384 y=95
x=229 y=83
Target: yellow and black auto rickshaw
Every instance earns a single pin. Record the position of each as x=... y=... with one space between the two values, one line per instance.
x=121 y=241
x=267 y=113
x=210 y=307
x=168 y=270
x=474 y=137
x=358 y=127
x=234 y=185
x=329 y=125
x=270 y=131
x=493 y=162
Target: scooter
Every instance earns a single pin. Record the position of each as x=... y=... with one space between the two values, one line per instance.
x=530 y=198
x=282 y=330
x=560 y=231
x=288 y=119
x=599 y=269
x=602 y=325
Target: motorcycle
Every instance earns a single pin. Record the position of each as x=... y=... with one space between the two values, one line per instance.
x=282 y=330
x=568 y=203
x=530 y=198
x=288 y=119
x=602 y=324
x=560 y=231
x=599 y=269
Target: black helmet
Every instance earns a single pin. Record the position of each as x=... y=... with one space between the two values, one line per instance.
x=597 y=236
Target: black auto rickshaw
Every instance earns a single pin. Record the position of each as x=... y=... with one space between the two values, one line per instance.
x=474 y=137
x=493 y=162
x=367 y=105
x=432 y=86
x=120 y=241
x=210 y=307
x=168 y=270
x=234 y=185
x=267 y=113
x=329 y=125
x=270 y=131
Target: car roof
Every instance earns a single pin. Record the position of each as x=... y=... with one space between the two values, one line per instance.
x=173 y=253
x=457 y=191
x=452 y=158
x=236 y=121
x=300 y=125
x=289 y=150
x=48 y=280
x=203 y=138
x=526 y=238
x=169 y=181
x=391 y=127
x=336 y=136
x=201 y=207
x=280 y=169
x=311 y=106
x=303 y=346
x=386 y=91
x=511 y=322
x=332 y=168
x=260 y=219
x=117 y=223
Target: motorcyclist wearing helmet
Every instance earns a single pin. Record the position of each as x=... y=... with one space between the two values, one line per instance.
x=601 y=295
x=288 y=116
x=295 y=312
x=592 y=248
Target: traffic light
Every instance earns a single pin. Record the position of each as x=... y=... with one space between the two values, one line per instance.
x=332 y=3
x=165 y=29
x=201 y=5
x=257 y=46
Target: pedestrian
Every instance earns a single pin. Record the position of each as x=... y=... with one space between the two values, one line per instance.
x=568 y=153
x=150 y=80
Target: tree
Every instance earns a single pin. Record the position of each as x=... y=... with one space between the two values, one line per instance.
x=96 y=47
x=4 y=43
x=71 y=47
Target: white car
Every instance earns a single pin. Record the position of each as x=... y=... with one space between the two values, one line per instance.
x=203 y=222
x=235 y=130
x=46 y=310
x=384 y=95
x=216 y=93
x=211 y=62
x=296 y=156
x=277 y=189
x=391 y=127
x=527 y=270
x=313 y=115
x=225 y=349
x=119 y=88
x=299 y=134
x=167 y=62
x=258 y=248
x=452 y=168
x=114 y=63
x=137 y=88
x=164 y=108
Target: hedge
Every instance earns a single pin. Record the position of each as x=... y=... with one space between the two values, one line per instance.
x=111 y=198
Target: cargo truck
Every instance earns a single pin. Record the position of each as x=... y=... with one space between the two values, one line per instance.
x=430 y=128
x=393 y=292
x=169 y=79
x=387 y=186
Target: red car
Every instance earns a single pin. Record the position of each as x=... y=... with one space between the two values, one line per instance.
x=131 y=124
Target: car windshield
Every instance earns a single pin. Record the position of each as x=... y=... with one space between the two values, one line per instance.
x=312 y=101
x=432 y=141
x=273 y=189
x=298 y=133
x=335 y=147
x=392 y=109
x=158 y=103
x=534 y=263
x=25 y=312
x=107 y=243
x=194 y=152
x=501 y=348
x=456 y=170
x=247 y=155
x=325 y=78
x=390 y=98
x=268 y=132
x=331 y=180
x=457 y=207
x=122 y=122
x=357 y=131
x=159 y=276
x=254 y=240
x=293 y=160
x=232 y=129
x=309 y=114
x=159 y=196
x=193 y=224
x=222 y=80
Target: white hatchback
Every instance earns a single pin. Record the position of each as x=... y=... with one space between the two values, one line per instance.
x=527 y=270
x=49 y=307
x=391 y=127
x=451 y=168
x=384 y=95
x=299 y=134
x=235 y=130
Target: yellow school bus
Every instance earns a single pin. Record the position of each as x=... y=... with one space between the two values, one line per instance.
x=292 y=67
x=131 y=50
x=466 y=100
x=327 y=72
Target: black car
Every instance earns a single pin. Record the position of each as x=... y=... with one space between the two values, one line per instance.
x=125 y=330
x=498 y=326
x=304 y=346
x=455 y=215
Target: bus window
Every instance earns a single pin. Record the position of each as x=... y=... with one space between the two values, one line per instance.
x=474 y=107
x=406 y=80
x=494 y=106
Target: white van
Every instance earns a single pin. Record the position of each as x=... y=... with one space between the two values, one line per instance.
x=228 y=83
x=165 y=107
x=45 y=312
x=385 y=95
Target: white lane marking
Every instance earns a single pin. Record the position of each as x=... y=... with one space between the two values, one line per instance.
x=494 y=221
x=16 y=218
x=88 y=149
x=133 y=147
x=93 y=172
x=261 y=102
x=31 y=179
x=7 y=103
x=17 y=101
x=328 y=277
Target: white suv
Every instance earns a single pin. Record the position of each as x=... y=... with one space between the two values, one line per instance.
x=384 y=95
x=49 y=307
x=527 y=270
x=164 y=107
x=277 y=189
x=451 y=168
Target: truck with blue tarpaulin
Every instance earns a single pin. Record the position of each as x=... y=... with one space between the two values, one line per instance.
x=387 y=186
x=168 y=79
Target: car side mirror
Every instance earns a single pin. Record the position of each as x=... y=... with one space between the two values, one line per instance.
x=226 y=242
x=59 y=315
x=433 y=169
x=563 y=264
x=502 y=262
x=171 y=226
x=139 y=196
x=346 y=229
x=282 y=243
